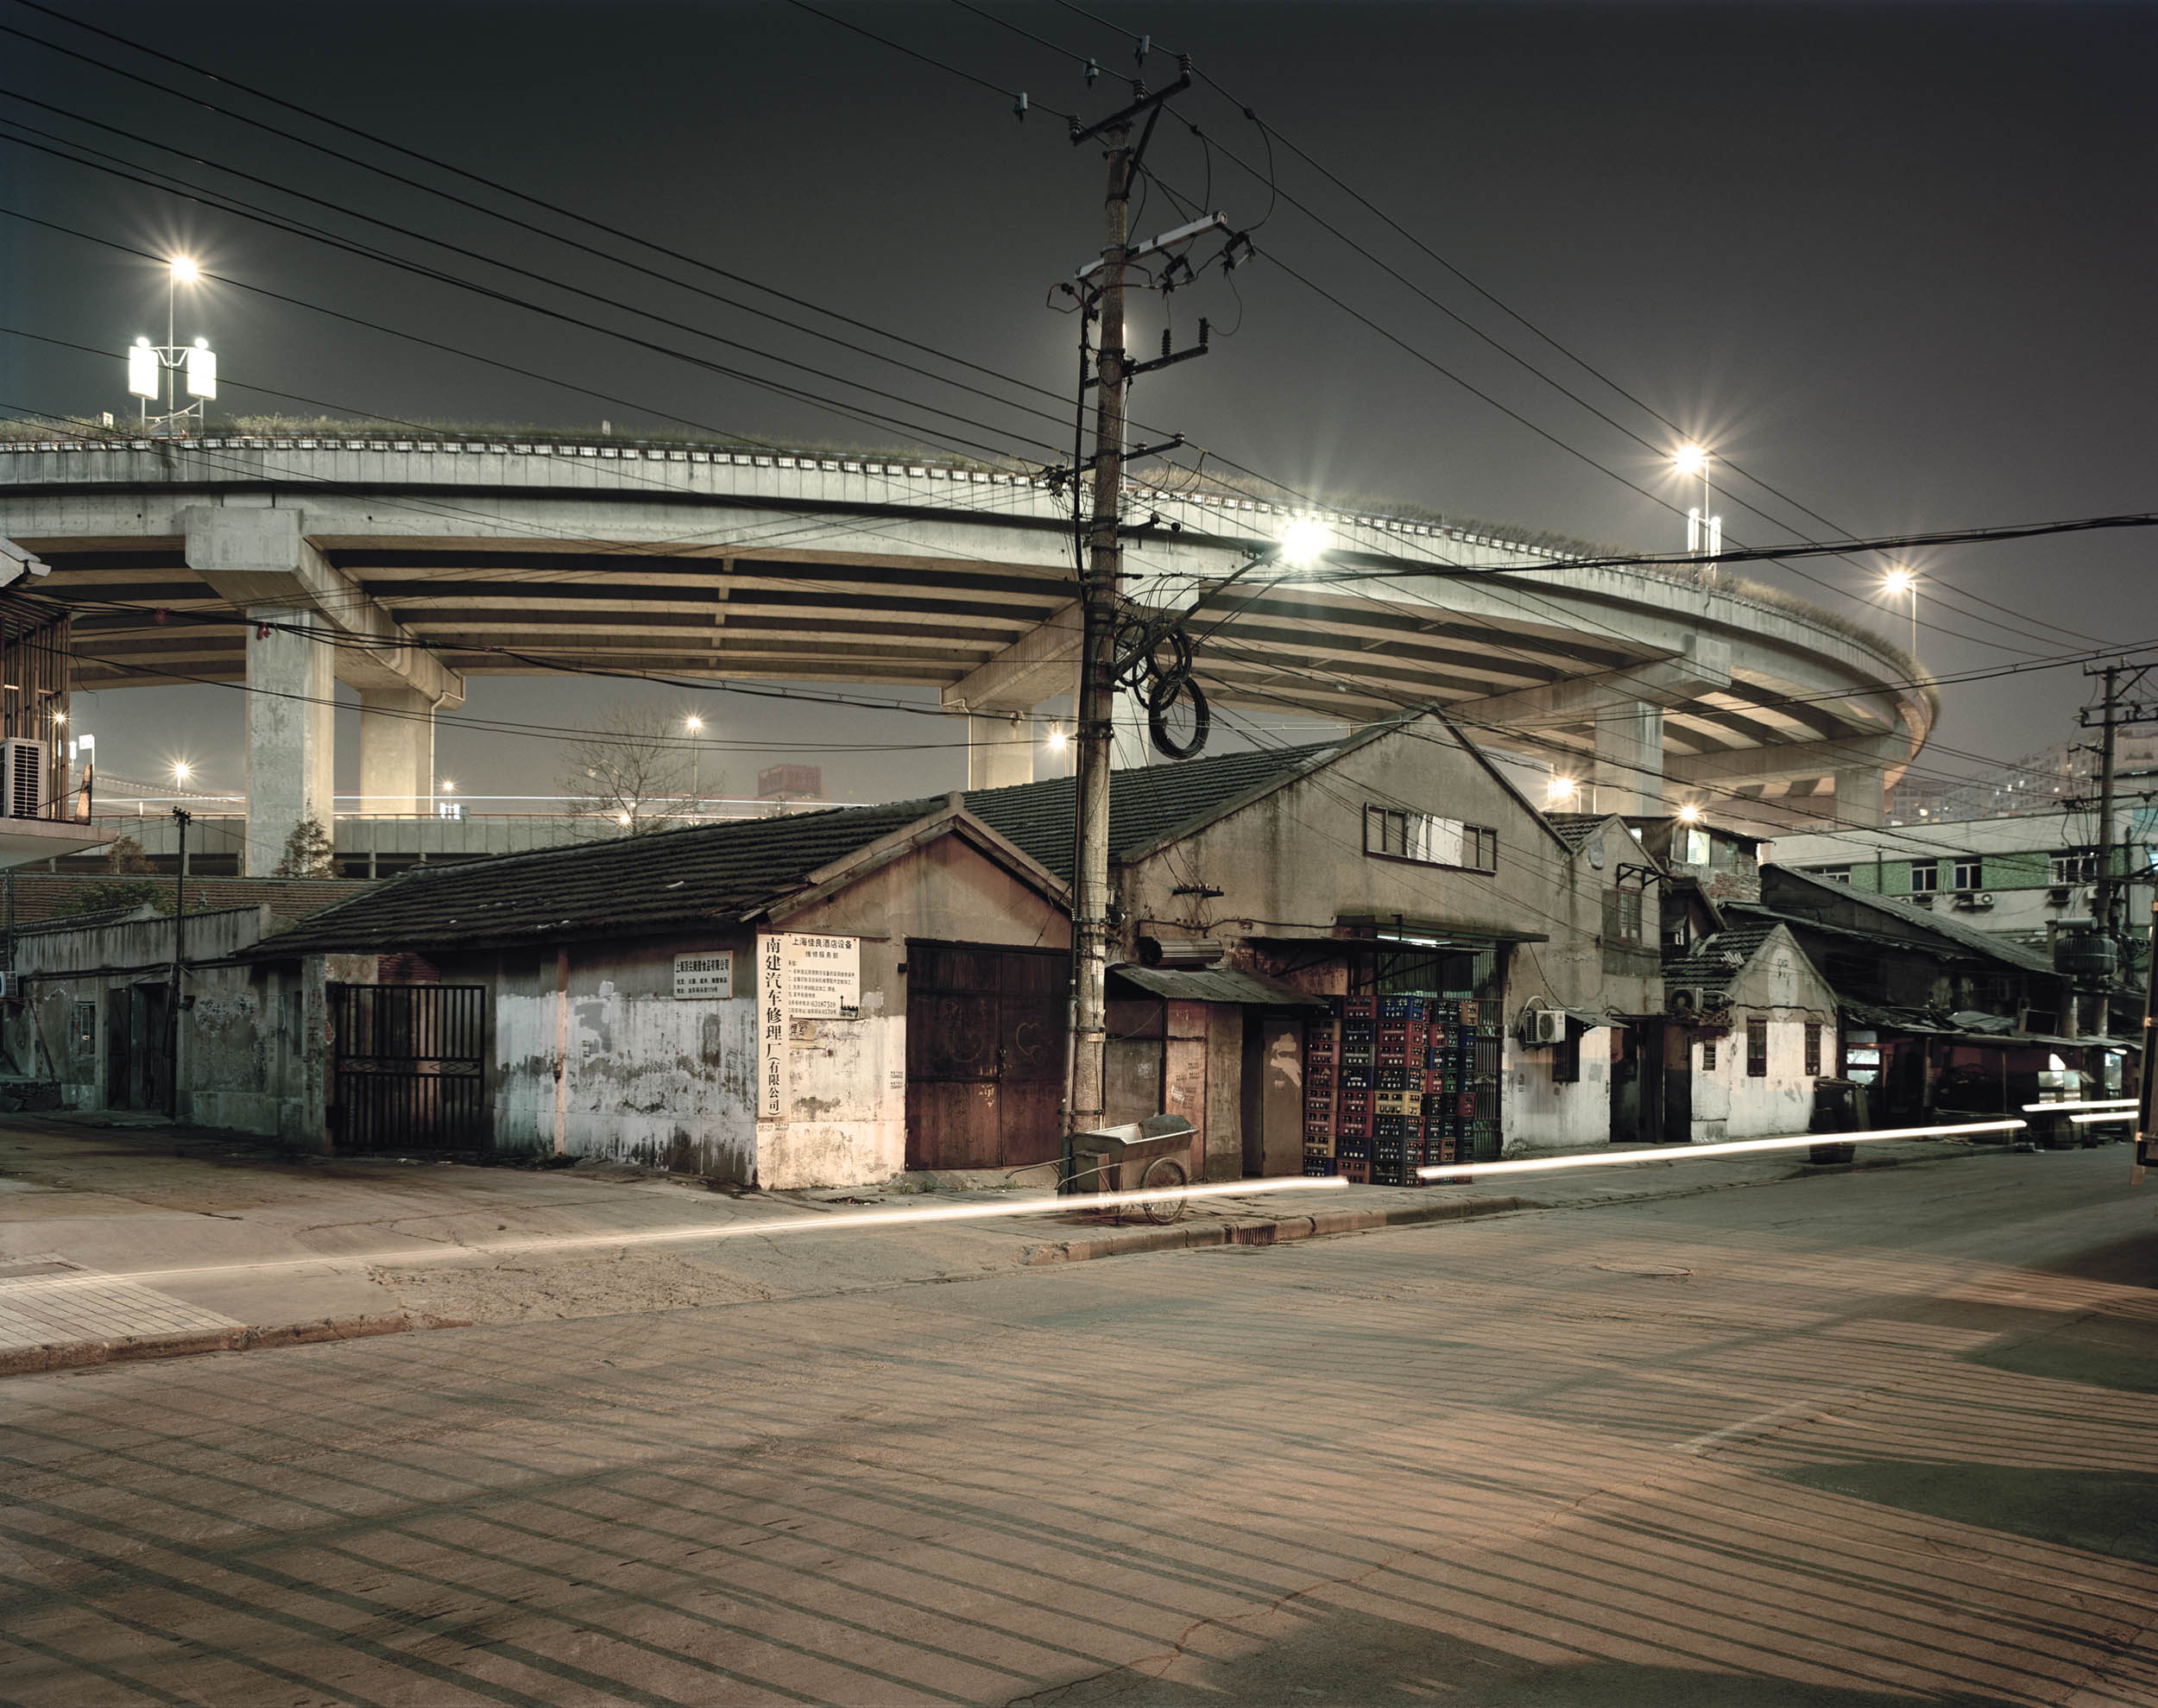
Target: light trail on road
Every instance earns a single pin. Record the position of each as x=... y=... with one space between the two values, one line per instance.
x=2087 y=1103
x=1736 y=1147
x=692 y=1234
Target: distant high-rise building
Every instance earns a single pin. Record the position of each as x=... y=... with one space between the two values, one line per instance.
x=790 y=782
x=2039 y=782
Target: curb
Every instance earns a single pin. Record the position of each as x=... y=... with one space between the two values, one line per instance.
x=77 y=1354
x=1200 y=1235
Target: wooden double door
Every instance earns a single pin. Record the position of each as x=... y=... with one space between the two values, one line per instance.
x=985 y=1055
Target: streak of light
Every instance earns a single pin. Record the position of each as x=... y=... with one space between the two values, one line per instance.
x=692 y=1234
x=2088 y=1103
x=1733 y=1147
x=2114 y=1115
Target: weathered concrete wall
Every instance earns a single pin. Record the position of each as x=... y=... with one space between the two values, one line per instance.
x=1292 y=862
x=1780 y=985
x=597 y=1057
x=247 y=1033
x=847 y=1122
x=643 y=1077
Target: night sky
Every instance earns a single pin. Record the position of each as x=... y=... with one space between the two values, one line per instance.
x=1893 y=259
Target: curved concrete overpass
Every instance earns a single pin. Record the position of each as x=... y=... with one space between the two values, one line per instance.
x=423 y=561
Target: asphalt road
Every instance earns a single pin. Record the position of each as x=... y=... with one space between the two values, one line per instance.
x=1870 y=1438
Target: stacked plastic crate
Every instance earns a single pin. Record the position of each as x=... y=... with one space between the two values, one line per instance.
x=1352 y=1123
x=1322 y=1093
x=1401 y=1040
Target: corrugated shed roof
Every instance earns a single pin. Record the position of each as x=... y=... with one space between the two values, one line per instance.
x=1702 y=962
x=705 y=875
x=1796 y=887
x=1215 y=984
x=1146 y=805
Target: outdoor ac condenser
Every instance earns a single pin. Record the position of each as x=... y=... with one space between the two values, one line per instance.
x=22 y=763
x=1544 y=1025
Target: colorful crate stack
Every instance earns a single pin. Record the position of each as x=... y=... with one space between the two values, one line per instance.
x=1396 y=1083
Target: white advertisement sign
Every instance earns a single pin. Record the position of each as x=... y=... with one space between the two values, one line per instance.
x=824 y=977
x=771 y=1028
x=704 y=975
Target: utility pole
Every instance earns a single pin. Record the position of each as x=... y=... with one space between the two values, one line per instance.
x=2119 y=707
x=2101 y=892
x=1100 y=598
x=180 y=956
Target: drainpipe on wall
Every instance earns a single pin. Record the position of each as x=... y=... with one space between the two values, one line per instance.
x=562 y=1051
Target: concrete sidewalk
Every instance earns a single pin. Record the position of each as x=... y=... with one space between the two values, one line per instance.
x=119 y=1242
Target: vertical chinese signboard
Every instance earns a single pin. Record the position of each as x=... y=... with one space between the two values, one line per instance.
x=771 y=1028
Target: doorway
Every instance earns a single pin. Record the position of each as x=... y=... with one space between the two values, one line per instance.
x=985 y=1056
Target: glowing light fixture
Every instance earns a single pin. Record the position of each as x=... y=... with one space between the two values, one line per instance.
x=184 y=272
x=182 y=770
x=693 y=723
x=1304 y=541
x=1560 y=789
x=1690 y=459
x=1689 y=814
x=622 y=819
x=1057 y=739
x=142 y=370
x=202 y=369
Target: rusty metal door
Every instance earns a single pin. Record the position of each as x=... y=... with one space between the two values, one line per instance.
x=985 y=1056
x=410 y=1070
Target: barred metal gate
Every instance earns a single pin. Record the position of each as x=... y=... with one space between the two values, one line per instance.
x=409 y=1066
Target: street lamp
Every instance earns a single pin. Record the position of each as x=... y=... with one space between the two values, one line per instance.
x=1901 y=580
x=200 y=361
x=181 y=772
x=1304 y=541
x=695 y=726
x=1689 y=814
x=1704 y=532
x=1560 y=790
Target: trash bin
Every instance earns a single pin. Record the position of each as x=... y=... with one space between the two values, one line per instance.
x=1839 y=1105
x=1135 y=1156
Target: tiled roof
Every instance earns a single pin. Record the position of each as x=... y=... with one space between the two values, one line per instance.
x=41 y=898
x=1787 y=890
x=702 y=875
x=1147 y=805
x=1702 y=962
x=1574 y=828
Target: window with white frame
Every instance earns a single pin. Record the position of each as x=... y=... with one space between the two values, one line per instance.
x=1969 y=872
x=1925 y=877
x=1834 y=874
x=1428 y=840
x=2073 y=865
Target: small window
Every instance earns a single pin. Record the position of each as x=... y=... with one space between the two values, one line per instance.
x=1693 y=845
x=1834 y=874
x=1925 y=877
x=2073 y=865
x=1708 y=1055
x=1566 y=1060
x=1970 y=873
x=1757 y=1050
x=86 y=1027
x=1813 y=1049
x=1622 y=916
x=1429 y=841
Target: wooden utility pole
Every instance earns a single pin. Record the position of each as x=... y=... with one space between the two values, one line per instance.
x=2101 y=892
x=1100 y=599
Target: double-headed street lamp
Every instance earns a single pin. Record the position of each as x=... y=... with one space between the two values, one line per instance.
x=148 y=363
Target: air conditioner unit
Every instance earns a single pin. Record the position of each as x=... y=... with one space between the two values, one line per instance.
x=2057 y=896
x=1983 y=898
x=1921 y=898
x=1544 y=1025
x=1685 y=999
x=22 y=763
x=1966 y=899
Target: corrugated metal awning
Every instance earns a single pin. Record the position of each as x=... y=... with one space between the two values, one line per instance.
x=1214 y=984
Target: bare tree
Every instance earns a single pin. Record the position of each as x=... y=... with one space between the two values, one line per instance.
x=638 y=771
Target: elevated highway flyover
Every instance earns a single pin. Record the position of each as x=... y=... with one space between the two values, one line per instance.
x=401 y=566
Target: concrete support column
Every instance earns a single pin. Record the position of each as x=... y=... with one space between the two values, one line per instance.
x=1629 y=775
x=1000 y=749
x=396 y=751
x=1859 y=796
x=292 y=688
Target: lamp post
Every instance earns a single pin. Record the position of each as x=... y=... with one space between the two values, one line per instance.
x=695 y=726
x=1901 y=580
x=145 y=359
x=1704 y=532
